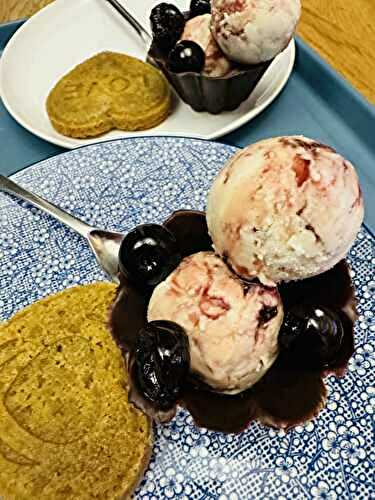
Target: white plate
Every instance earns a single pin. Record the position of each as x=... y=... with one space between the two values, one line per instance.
x=65 y=33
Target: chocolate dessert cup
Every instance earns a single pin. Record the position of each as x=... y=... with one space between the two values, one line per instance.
x=212 y=94
x=301 y=385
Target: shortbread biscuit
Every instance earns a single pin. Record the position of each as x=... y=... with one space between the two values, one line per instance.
x=67 y=430
x=109 y=91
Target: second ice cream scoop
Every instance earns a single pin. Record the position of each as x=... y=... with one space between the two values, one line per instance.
x=254 y=31
x=285 y=209
x=197 y=30
x=232 y=328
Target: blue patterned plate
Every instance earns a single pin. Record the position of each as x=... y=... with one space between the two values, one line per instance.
x=119 y=184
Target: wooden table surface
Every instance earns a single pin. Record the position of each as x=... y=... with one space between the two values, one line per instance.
x=342 y=31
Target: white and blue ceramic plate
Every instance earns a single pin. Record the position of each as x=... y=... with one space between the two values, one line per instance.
x=119 y=184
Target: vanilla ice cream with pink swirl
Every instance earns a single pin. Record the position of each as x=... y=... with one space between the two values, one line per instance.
x=254 y=31
x=284 y=209
x=232 y=326
x=197 y=30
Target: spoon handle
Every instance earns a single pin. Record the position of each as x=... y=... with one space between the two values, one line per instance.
x=76 y=224
x=145 y=36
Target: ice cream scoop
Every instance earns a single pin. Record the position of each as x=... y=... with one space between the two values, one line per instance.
x=254 y=31
x=284 y=209
x=197 y=30
x=232 y=328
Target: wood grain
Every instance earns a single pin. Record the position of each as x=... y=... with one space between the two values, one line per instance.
x=342 y=31
x=16 y=9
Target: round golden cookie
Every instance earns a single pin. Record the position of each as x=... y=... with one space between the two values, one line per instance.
x=109 y=91
x=67 y=430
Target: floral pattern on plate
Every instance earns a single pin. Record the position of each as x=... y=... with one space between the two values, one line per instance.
x=119 y=184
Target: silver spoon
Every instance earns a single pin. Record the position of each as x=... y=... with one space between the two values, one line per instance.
x=141 y=31
x=105 y=245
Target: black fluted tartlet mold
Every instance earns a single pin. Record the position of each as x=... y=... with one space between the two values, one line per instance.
x=212 y=94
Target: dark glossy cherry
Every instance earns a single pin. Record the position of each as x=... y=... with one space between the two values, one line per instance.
x=186 y=56
x=312 y=335
x=162 y=362
x=167 y=25
x=148 y=254
x=199 y=7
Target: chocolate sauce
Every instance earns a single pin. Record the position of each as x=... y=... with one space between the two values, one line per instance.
x=128 y=315
x=220 y=412
x=190 y=229
x=286 y=395
x=332 y=289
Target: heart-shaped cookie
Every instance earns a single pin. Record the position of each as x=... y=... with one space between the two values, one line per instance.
x=109 y=91
x=67 y=430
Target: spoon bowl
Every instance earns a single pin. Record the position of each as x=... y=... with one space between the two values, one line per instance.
x=105 y=245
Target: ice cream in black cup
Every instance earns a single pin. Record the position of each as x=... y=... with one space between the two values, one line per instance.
x=215 y=60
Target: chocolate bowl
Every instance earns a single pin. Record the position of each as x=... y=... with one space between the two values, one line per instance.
x=212 y=94
x=290 y=393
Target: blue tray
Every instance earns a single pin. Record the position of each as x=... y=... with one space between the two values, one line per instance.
x=317 y=102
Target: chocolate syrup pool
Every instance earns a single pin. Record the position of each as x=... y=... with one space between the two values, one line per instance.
x=287 y=395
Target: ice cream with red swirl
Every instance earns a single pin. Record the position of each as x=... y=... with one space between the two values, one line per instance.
x=254 y=31
x=285 y=209
x=232 y=327
x=198 y=30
